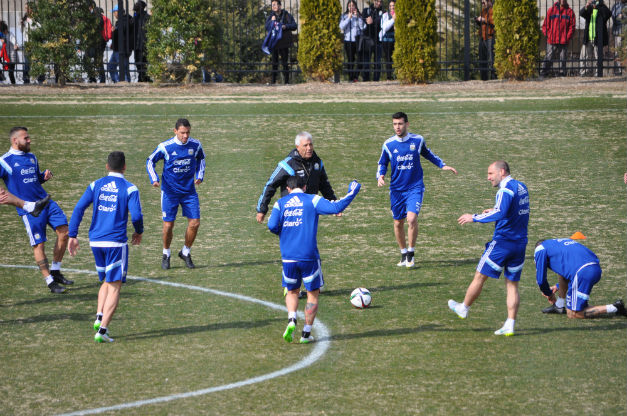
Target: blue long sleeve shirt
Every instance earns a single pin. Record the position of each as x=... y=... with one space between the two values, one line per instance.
x=403 y=156
x=22 y=176
x=113 y=197
x=564 y=256
x=182 y=164
x=295 y=219
x=510 y=212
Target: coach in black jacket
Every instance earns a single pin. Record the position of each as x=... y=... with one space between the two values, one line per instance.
x=302 y=161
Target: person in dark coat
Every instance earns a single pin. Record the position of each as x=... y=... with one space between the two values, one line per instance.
x=122 y=45
x=596 y=14
x=140 y=21
x=282 y=48
x=369 y=42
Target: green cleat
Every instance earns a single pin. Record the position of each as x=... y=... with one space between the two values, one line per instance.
x=287 y=335
x=97 y=323
x=102 y=337
x=307 y=340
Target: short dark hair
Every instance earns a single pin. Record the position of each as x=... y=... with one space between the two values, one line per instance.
x=400 y=115
x=15 y=130
x=501 y=164
x=116 y=161
x=277 y=2
x=296 y=181
x=539 y=242
x=182 y=122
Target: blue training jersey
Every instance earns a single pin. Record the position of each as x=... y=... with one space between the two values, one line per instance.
x=403 y=155
x=295 y=219
x=182 y=164
x=511 y=211
x=113 y=197
x=22 y=176
x=564 y=256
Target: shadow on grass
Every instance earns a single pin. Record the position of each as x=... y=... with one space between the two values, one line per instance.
x=384 y=333
x=248 y=263
x=202 y=328
x=82 y=317
x=412 y=285
x=74 y=294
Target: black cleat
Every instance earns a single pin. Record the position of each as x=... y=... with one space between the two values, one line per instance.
x=165 y=262
x=302 y=294
x=620 y=307
x=188 y=260
x=56 y=288
x=40 y=205
x=554 y=309
x=59 y=278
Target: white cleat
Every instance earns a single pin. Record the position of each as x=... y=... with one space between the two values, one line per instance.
x=458 y=308
x=508 y=332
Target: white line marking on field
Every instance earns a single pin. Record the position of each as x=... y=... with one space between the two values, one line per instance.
x=319 y=348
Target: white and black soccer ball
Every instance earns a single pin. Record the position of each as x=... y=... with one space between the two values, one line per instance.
x=360 y=298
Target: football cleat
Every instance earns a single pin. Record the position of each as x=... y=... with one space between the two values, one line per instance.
x=620 y=307
x=56 y=288
x=59 y=278
x=307 y=340
x=165 y=262
x=403 y=261
x=458 y=308
x=554 y=309
x=97 y=324
x=409 y=263
x=187 y=259
x=302 y=294
x=103 y=337
x=508 y=332
x=40 y=205
x=287 y=335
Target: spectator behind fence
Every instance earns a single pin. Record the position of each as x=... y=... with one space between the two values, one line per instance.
x=10 y=45
x=386 y=35
x=558 y=27
x=619 y=11
x=96 y=45
x=369 y=43
x=282 y=47
x=596 y=14
x=27 y=25
x=352 y=25
x=141 y=18
x=122 y=45
x=4 y=57
x=486 y=41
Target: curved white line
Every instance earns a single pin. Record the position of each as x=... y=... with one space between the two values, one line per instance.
x=320 y=347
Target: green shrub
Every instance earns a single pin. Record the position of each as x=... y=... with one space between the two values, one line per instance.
x=516 y=38
x=64 y=28
x=320 y=43
x=415 y=55
x=183 y=37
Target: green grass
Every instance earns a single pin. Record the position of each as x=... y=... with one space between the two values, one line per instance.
x=407 y=354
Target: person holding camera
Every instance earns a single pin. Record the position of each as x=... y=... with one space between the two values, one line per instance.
x=386 y=35
x=369 y=43
x=558 y=27
x=486 y=40
x=353 y=26
x=596 y=14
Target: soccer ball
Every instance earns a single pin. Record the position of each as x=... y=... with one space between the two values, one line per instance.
x=360 y=298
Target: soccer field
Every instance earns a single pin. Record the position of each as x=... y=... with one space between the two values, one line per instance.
x=208 y=340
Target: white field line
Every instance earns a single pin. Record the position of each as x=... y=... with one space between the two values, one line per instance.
x=319 y=348
x=333 y=115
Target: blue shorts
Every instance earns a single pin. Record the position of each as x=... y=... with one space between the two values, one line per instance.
x=307 y=272
x=580 y=287
x=111 y=262
x=402 y=202
x=170 y=206
x=502 y=256
x=52 y=215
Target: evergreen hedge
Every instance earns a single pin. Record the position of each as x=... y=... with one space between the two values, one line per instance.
x=416 y=33
x=64 y=28
x=183 y=37
x=320 y=43
x=517 y=35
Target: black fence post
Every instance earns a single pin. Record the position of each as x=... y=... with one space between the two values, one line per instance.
x=466 y=40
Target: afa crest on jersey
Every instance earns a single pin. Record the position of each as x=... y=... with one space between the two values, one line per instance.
x=412 y=147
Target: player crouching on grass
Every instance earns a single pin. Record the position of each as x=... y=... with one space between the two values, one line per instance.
x=113 y=198
x=578 y=270
x=294 y=219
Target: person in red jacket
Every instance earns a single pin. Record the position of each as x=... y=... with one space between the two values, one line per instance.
x=558 y=27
